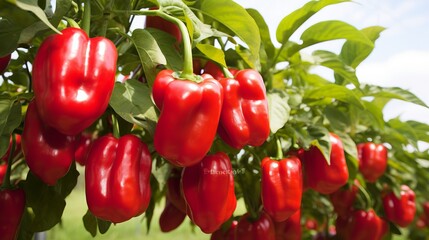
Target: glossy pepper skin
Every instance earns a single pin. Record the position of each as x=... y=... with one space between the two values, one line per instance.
x=83 y=145
x=12 y=204
x=343 y=199
x=244 y=119
x=4 y=62
x=49 y=153
x=281 y=187
x=208 y=188
x=189 y=117
x=290 y=229
x=261 y=229
x=320 y=176
x=117 y=178
x=372 y=160
x=73 y=79
x=365 y=225
x=171 y=217
x=3 y=169
x=402 y=210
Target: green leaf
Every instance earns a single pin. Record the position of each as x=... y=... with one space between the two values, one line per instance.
x=279 y=109
x=333 y=61
x=266 y=41
x=167 y=44
x=212 y=53
x=90 y=223
x=339 y=120
x=67 y=183
x=47 y=205
x=10 y=115
x=103 y=225
x=333 y=30
x=11 y=32
x=392 y=93
x=237 y=19
x=321 y=140
x=31 y=6
x=132 y=101
x=149 y=52
x=353 y=53
x=335 y=91
x=289 y=24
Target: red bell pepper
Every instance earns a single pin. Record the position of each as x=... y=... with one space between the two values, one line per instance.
x=117 y=178
x=214 y=70
x=4 y=62
x=244 y=118
x=260 y=229
x=343 y=199
x=208 y=188
x=402 y=210
x=49 y=153
x=320 y=176
x=289 y=229
x=365 y=225
x=372 y=160
x=73 y=79
x=163 y=25
x=3 y=169
x=189 y=117
x=228 y=234
x=83 y=145
x=281 y=187
x=174 y=194
x=171 y=217
x=12 y=205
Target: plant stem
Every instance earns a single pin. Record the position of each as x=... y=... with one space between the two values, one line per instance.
x=279 y=149
x=86 y=21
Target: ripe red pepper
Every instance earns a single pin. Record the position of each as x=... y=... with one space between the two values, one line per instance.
x=171 y=217
x=12 y=204
x=320 y=176
x=289 y=229
x=214 y=70
x=365 y=225
x=260 y=229
x=4 y=62
x=281 y=187
x=117 y=178
x=83 y=145
x=343 y=199
x=73 y=79
x=49 y=153
x=228 y=234
x=163 y=25
x=174 y=194
x=189 y=117
x=402 y=210
x=372 y=160
x=3 y=169
x=208 y=188
x=244 y=118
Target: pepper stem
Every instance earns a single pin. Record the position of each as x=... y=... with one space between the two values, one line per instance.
x=6 y=180
x=115 y=123
x=366 y=196
x=86 y=21
x=188 y=72
x=227 y=73
x=279 y=149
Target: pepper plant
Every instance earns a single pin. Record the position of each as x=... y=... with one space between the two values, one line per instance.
x=170 y=109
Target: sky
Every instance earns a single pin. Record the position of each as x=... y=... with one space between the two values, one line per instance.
x=401 y=54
